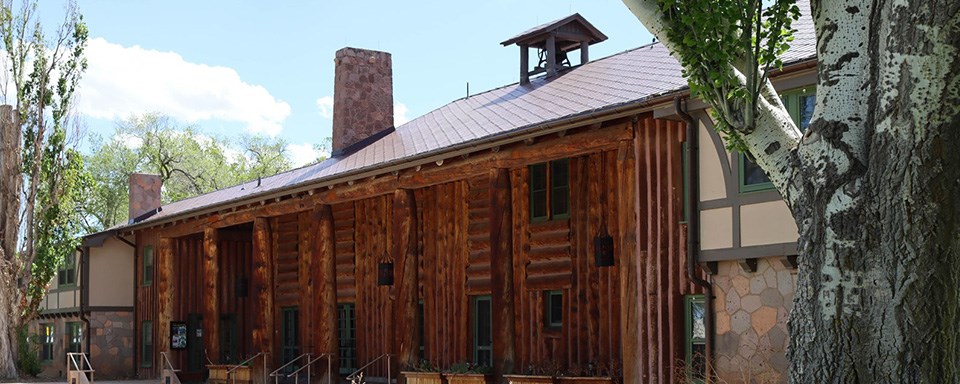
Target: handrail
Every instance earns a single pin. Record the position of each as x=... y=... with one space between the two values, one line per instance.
x=71 y=358
x=240 y=364
x=276 y=373
x=235 y=367
x=166 y=359
x=358 y=371
x=310 y=363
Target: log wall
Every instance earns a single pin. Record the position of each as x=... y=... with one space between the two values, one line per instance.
x=374 y=305
x=236 y=294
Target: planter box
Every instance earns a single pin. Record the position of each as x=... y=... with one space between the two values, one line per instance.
x=584 y=380
x=529 y=379
x=467 y=378
x=218 y=374
x=422 y=377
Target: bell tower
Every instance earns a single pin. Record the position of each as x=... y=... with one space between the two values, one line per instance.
x=554 y=41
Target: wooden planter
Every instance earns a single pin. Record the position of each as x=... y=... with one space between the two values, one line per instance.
x=467 y=378
x=529 y=379
x=584 y=380
x=218 y=374
x=422 y=377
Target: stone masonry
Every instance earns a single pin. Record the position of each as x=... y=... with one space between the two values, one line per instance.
x=751 y=321
x=144 y=193
x=362 y=96
x=112 y=344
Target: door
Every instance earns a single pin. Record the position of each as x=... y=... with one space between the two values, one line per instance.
x=194 y=342
x=290 y=337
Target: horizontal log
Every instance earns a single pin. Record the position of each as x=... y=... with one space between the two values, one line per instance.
x=549 y=267
x=548 y=282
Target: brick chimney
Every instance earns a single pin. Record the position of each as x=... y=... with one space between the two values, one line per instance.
x=362 y=98
x=144 y=194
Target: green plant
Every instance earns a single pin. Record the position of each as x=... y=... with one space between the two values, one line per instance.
x=28 y=353
x=424 y=365
x=466 y=367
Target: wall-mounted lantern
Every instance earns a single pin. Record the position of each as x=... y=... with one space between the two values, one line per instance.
x=603 y=247
x=385 y=273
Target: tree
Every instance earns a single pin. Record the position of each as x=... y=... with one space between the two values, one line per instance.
x=873 y=184
x=37 y=155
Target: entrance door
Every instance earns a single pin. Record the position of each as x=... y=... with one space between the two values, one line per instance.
x=290 y=336
x=228 y=338
x=194 y=342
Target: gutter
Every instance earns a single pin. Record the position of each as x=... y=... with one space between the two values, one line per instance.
x=85 y=293
x=692 y=200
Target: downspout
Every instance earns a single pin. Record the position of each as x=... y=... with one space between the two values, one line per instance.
x=692 y=200
x=85 y=293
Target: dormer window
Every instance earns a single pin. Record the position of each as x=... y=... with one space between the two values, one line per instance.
x=553 y=41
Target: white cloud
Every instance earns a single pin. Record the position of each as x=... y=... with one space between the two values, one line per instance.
x=121 y=81
x=325 y=104
x=303 y=154
x=129 y=141
x=400 y=114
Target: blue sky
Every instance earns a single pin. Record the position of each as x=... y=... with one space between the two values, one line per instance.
x=234 y=67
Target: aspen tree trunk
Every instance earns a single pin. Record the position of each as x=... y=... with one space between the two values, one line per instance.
x=10 y=181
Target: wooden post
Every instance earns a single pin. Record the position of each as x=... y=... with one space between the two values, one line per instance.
x=165 y=290
x=211 y=302
x=551 y=55
x=524 y=64
x=263 y=329
x=305 y=277
x=584 y=52
x=325 y=311
x=627 y=217
x=501 y=272
x=405 y=257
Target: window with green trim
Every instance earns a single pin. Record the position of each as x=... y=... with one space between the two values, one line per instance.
x=347 y=332
x=147 y=265
x=695 y=338
x=421 y=328
x=290 y=336
x=482 y=331
x=146 y=344
x=46 y=342
x=800 y=104
x=553 y=309
x=67 y=273
x=74 y=337
x=550 y=190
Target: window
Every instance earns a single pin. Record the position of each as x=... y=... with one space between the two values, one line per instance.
x=67 y=274
x=289 y=336
x=696 y=337
x=482 y=331
x=74 y=336
x=550 y=190
x=347 y=329
x=800 y=104
x=420 y=326
x=146 y=344
x=46 y=342
x=554 y=308
x=147 y=265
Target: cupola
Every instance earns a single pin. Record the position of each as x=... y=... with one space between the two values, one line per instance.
x=553 y=42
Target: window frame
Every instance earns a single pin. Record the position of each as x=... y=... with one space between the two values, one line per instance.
x=477 y=348
x=74 y=336
x=67 y=273
x=148 y=269
x=791 y=101
x=548 y=320
x=290 y=323
x=688 y=340
x=549 y=190
x=347 y=364
x=146 y=344
x=46 y=342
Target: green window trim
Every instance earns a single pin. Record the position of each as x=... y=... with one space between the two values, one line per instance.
x=692 y=343
x=146 y=344
x=290 y=336
x=549 y=187
x=347 y=337
x=67 y=273
x=74 y=337
x=148 y=268
x=793 y=100
x=46 y=342
x=421 y=328
x=553 y=309
x=483 y=330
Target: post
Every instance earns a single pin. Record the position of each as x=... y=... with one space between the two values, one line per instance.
x=405 y=255
x=501 y=266
x=263 y=287
x=551 y=55
x=627 y=260
x=165 y=288
x=211 y=303
x=584 y=52
x=326 y=287
x=524 y=64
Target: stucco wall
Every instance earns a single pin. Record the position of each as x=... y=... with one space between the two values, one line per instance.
x=767 y=223
x=111 y=274
x=751 y=321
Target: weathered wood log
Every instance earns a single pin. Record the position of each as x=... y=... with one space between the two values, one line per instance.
x=501 y=262
x=165 y=289
x=627 y=225
x=325 y=309
x=405 y=258
x=263 y=329
x=211 y=302
x=307 y=230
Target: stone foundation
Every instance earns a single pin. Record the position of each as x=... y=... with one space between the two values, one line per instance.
x=751 y=321
x=111 y=344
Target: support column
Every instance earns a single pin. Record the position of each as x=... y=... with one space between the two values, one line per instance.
x=305 y=277
x=551 y=55
x=501 y=271
x=405 y=257
x=263 y=287
x=326 y=288
x=165 y=291
x=627 y=260
x=524 y=64
x=211 y=301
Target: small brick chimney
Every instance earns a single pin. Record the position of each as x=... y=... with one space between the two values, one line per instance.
x=362 y=98
x=144 y=194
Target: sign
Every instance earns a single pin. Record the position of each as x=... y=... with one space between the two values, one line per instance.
x=178 y=335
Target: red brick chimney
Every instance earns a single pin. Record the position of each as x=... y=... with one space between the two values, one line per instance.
x=362 y=98
x=144 y=194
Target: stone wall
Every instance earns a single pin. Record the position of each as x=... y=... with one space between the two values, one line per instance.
x=112 y=344
x=362 y=96
x=751 y=321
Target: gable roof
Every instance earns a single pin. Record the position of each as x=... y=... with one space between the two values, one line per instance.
x=579 y=22
x=624 y=80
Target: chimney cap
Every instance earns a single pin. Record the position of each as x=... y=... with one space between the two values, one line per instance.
x=571 y=28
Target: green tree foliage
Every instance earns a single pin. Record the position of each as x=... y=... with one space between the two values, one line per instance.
x=189 y=163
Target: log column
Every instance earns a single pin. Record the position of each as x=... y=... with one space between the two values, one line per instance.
x=305 y=277
x=627 y=203
x=325 y=310
x=405 y=257
x=501 y=266
x=211 y=302
x=263 y=286
x=165 y=291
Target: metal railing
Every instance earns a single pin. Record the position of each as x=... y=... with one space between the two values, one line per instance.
x=357 y=376
x=230 y=372
x=308 y=366
x=82 y=367
x=168 y=366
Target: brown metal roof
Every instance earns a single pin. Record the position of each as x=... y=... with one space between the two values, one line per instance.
x=621 y=80
x=595 y=35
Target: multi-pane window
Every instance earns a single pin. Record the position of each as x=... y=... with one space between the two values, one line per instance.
x=550 y=190
x=146 y=344
x=347 y=329
x=147 y=265
x=696 y=337
x=482 y=331
x=289 y=335
x=74 y=336
x=46 y=342
x=800 y=104
x=554 y=308
x=67 y=274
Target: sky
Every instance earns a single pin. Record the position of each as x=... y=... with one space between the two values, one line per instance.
x=266 y=67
